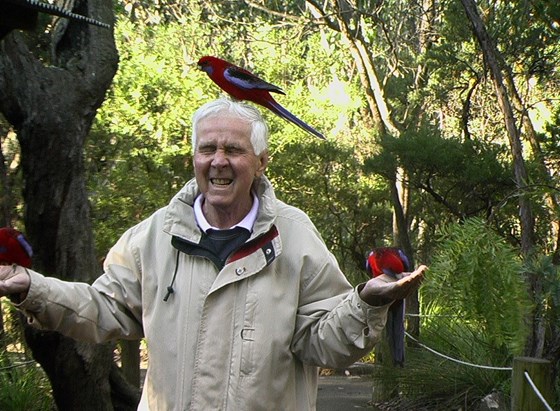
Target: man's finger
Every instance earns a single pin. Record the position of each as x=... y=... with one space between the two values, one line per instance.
x=6 y=271
x=416 y=275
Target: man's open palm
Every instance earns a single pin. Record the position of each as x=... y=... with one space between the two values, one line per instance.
x=384 y=287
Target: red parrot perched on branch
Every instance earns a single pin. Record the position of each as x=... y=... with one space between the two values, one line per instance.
x=244 y=85
x=14 y=248
x=391 y=261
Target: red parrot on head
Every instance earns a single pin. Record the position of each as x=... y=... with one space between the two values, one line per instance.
x=391 y=261
x=244 y=85
x=14 y=248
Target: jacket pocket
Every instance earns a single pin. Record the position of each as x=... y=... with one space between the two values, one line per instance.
x=247 y=350
x=248 y=335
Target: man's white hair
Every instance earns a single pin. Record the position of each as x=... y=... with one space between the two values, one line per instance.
x=259 y=128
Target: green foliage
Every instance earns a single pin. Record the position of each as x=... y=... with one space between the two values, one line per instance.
x=433 y=382
x=547 y=299
x=476 y=276
x=550 y=138
x=138 y=152
x=550 y=273
x=24 y=388
x=23 y=384
x=464 y=177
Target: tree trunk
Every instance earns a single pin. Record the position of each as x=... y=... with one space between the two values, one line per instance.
x=402 y=239
x=535 y=344
x=52 y=106
x=552 y=199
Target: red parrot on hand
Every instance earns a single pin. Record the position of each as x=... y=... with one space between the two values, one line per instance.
x=391 y=261
x=14 y=248
x=244 y=85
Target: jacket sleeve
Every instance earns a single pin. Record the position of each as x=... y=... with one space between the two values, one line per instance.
x=338 y=330
x=106 y=310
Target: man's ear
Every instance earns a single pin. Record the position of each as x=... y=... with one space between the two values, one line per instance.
x=263 y=163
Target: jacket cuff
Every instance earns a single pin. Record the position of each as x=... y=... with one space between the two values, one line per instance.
x=34 y=302
x=375 y=316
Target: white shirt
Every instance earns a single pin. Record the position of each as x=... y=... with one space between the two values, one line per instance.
x=247 y=222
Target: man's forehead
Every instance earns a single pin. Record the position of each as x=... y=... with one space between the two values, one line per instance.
x=223 y=121
x=229 y=131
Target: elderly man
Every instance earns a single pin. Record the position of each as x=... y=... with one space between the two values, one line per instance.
x=235 y=292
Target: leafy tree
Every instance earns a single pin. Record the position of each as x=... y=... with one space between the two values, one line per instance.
x=140 y=147
x=476 y=276
x=465 y=178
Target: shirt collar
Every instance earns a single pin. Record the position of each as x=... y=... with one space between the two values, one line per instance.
x=246 y=223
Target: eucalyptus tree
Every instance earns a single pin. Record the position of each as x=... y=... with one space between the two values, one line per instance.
x=387 y=41
x=508 y=98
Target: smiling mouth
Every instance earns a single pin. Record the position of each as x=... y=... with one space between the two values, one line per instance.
x=220 y=181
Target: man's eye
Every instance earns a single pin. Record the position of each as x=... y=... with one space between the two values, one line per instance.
x=206 y=149
x=234 y=150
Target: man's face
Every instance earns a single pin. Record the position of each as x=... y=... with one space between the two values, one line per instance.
x=225 y=166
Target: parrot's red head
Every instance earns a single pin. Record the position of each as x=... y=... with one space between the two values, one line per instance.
x=209 y=63
x=14 y=248
x=387 y=260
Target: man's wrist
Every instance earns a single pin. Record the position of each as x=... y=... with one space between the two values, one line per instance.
x=373 y=300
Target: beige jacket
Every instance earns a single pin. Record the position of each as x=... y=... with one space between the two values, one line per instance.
x=246 y=337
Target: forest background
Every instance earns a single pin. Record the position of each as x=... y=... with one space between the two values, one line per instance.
x=443 y=137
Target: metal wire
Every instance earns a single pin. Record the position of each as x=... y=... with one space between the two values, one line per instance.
x=537 y=392
x=487 y=367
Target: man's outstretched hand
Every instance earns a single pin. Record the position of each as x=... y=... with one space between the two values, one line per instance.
x=383 y=289
x=14 y=281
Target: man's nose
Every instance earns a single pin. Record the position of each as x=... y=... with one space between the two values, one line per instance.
x=219 y=159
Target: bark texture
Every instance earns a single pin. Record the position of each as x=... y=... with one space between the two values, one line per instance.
x=50 y=97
